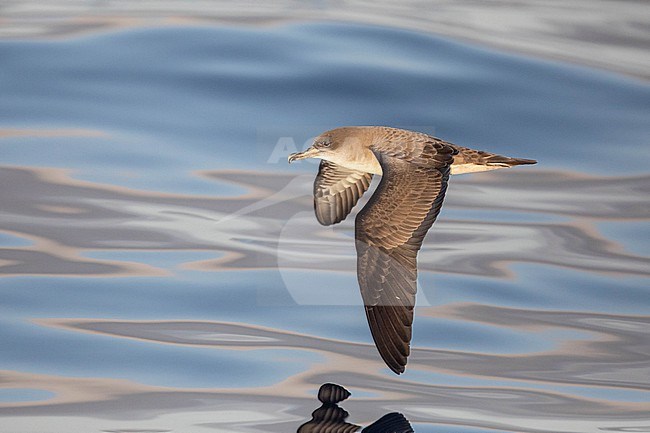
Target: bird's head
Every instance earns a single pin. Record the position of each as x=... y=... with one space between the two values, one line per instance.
x=322 y=147
x=330 y=145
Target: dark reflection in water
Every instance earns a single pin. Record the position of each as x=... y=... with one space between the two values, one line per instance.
x=330 y=417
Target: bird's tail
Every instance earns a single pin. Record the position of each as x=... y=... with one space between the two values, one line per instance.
x=508 y=162
x=471 y=161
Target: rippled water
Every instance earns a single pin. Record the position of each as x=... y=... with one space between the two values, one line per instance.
x=163 y=270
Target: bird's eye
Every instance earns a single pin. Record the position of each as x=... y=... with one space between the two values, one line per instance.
x=324 y=143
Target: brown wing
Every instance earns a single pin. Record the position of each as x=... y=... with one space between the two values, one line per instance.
x=389 y=233
x=336 y=191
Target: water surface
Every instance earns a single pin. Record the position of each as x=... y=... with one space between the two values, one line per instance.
x=163 y=271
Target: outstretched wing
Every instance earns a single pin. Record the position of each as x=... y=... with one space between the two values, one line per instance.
x=389 y=232
x=336 y=191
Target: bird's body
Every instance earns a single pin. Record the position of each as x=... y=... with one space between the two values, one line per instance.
x=389 y=230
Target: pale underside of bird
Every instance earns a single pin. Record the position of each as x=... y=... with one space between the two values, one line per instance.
x=389 y=230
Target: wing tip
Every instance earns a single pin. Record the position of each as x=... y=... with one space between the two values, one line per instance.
x=394 y=357
x=397 y=366
x=323 y=217
x=321 y=221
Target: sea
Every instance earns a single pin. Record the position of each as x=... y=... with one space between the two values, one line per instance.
x=161 y=268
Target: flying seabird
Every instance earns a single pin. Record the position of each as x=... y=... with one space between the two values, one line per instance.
x=389 y=230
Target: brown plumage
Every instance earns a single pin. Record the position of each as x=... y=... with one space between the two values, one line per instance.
x=389 y=230
x=336 y=191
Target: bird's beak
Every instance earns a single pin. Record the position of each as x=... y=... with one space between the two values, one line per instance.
x=309 y=153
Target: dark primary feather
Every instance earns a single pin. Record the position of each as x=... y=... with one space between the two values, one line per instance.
x=336 y=191
x=389 y=233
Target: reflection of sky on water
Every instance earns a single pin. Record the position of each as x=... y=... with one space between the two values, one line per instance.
x=563 y=290
x=226 y=86
x=170 y=276
x=8 y=240
x=24 y=394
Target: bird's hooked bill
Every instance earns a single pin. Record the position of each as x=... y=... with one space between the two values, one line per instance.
x=309 y=153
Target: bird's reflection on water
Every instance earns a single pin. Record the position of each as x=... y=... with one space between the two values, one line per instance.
x=330 y=417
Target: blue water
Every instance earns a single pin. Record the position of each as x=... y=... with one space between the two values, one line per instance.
x=162 y=269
